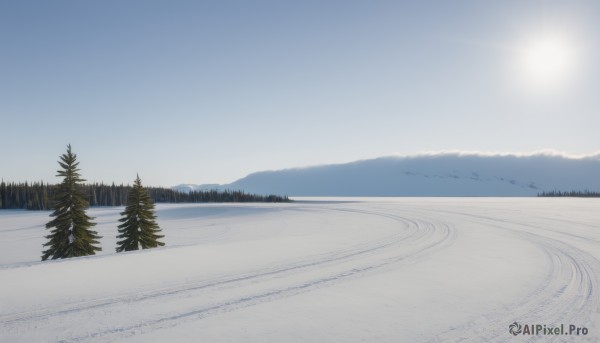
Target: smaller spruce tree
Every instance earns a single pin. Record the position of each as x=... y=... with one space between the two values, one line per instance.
x=139 y=228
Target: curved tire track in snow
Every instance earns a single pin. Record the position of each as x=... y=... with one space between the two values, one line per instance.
x=567 y=295
x=416 y=238
x=337 y=256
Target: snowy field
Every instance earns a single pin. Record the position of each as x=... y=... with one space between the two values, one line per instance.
x=366 y=270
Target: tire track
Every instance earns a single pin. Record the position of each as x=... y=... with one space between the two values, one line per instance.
x=567 y=294
x=353 y=262
x=446 y=234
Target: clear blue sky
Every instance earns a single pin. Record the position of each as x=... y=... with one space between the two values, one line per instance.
x=209 y=91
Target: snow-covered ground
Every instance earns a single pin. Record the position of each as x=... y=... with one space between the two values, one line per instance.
x=317 y=270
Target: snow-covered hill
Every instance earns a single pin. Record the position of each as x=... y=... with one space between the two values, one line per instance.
x=442 y=174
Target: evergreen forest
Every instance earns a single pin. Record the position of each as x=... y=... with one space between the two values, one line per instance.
x=573 y=194
x=39 y=195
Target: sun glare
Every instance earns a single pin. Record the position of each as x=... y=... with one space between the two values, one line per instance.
x=547 y=60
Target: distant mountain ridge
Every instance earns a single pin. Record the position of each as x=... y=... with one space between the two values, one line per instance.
x=443 y=174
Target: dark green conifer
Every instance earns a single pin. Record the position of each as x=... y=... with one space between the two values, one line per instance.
x=139 y=229
x=71 y=236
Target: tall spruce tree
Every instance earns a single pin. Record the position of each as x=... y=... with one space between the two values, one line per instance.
x=72 y=235
x=139 y=228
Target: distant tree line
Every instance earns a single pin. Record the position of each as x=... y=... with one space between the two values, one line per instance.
x=578 y=194
x=39 y=195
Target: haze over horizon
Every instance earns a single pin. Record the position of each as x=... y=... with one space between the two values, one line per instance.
x=551 y=154
x=197 y=92
x=429 y=175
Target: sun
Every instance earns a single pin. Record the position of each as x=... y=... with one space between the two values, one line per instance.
x=546 y=60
